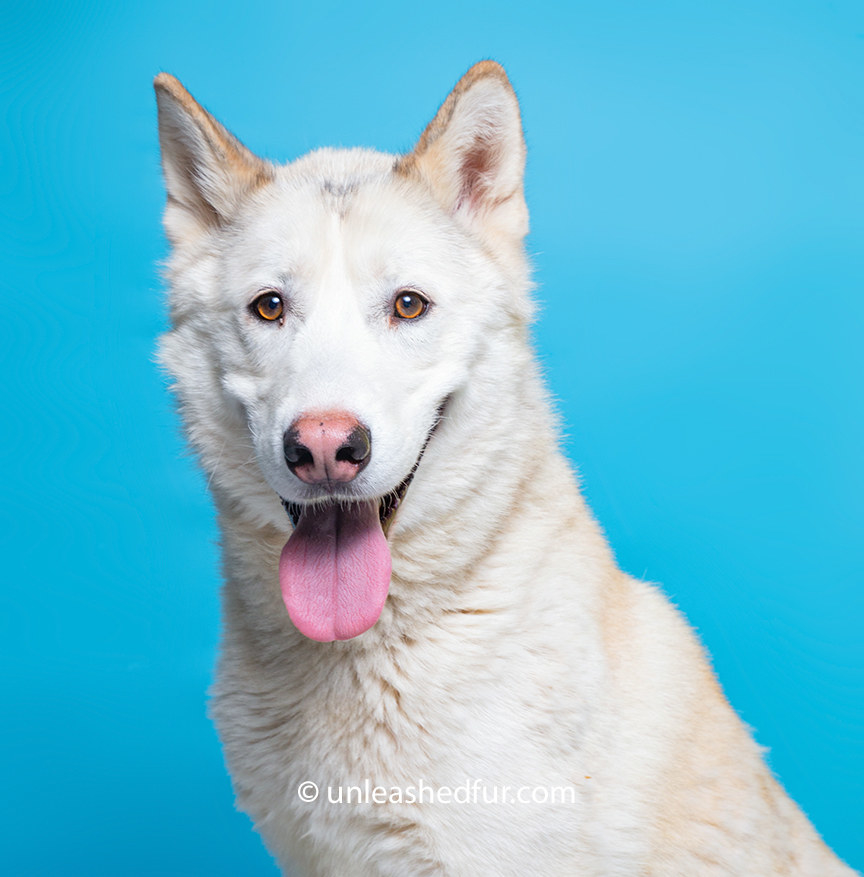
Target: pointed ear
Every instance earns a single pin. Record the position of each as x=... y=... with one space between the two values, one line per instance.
x=207 y=170
x=472 y=154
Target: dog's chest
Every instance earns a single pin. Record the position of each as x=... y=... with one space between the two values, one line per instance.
x=396 y=750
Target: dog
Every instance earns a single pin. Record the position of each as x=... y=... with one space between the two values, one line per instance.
x=419 y=608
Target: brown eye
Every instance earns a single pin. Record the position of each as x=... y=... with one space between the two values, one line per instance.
x=409 y=305
x=268 y=306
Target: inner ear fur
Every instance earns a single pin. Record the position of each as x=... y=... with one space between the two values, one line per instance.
x=472 y=154
x=207 y=169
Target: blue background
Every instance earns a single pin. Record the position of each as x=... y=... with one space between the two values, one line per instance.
x=696 y=181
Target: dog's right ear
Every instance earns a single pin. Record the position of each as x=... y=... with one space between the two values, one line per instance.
x=207 y=170
x=472 y=155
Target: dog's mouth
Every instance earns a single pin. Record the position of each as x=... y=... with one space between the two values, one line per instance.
x=335 y=568
x=387 y=505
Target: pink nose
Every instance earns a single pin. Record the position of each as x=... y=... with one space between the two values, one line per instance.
x=327 y=447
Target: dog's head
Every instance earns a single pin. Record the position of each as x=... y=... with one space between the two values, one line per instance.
x=325 y=314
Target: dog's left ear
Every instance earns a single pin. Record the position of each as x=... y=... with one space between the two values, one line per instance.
x=472 y=154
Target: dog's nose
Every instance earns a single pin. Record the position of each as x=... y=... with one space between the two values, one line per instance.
x=328 y=447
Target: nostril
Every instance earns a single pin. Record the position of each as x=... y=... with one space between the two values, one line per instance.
x=296 y=453
x=357 y=446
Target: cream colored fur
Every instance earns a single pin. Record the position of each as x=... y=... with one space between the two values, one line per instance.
x=511 y=649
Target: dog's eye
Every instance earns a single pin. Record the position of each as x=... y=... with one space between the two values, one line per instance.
x=268 y=306
x=409 y=305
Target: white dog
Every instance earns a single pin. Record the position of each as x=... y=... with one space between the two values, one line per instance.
x=418 y=604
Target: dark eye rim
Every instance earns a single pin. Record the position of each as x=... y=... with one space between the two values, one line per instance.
x=410 y=290
x=268 y=292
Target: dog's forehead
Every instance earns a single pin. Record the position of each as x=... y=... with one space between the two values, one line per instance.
x=329 y=180
x=337 y=202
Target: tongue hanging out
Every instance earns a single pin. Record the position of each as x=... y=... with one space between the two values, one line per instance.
x=335 y=570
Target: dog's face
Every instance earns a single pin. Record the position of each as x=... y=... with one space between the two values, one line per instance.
x=325 y=312
x=364 y=289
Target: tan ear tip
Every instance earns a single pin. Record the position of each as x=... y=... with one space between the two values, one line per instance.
x=486 y=69
x=487 y=72
x=167 y=82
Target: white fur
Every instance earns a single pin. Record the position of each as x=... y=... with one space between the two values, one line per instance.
x=511 y=649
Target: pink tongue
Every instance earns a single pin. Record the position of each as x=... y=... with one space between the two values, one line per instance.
x=335 y=571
